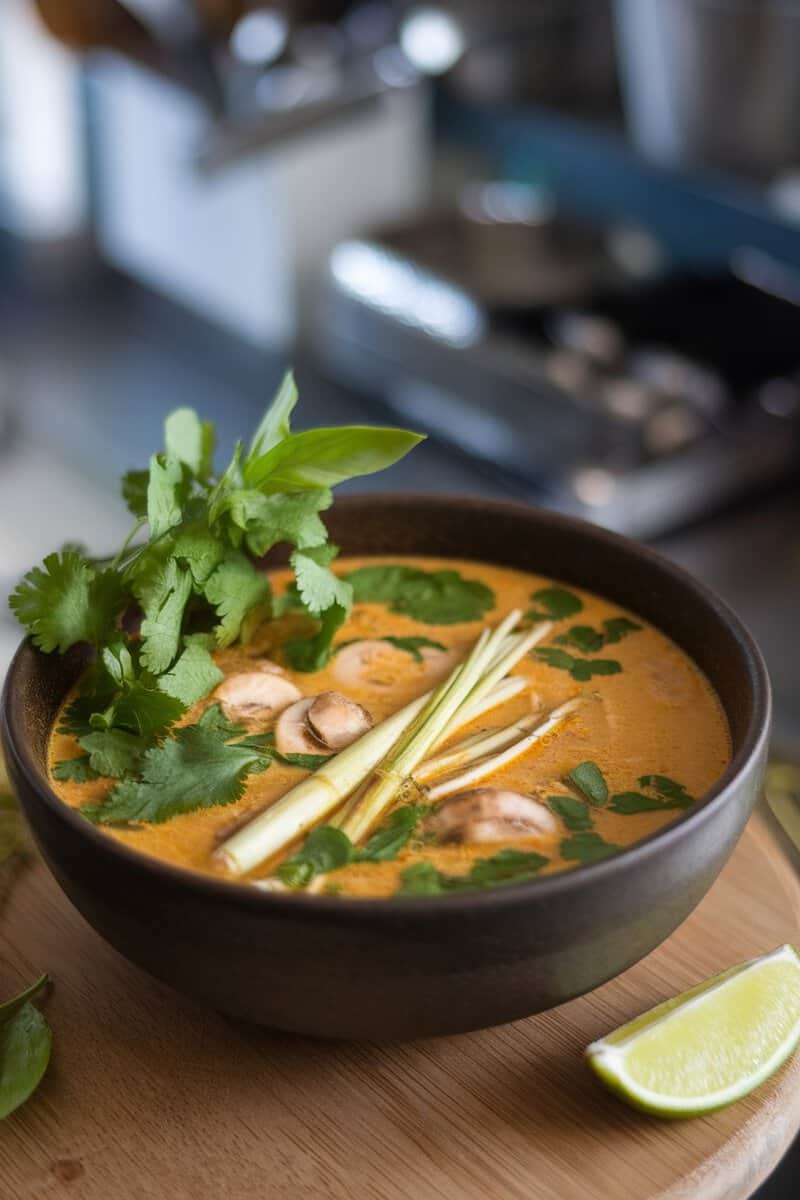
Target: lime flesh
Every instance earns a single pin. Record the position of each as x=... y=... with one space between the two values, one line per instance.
x=709 y=1046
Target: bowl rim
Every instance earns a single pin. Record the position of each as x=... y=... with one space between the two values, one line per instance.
x=382 y=910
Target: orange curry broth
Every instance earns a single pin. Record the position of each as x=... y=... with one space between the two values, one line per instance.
x=660 y=715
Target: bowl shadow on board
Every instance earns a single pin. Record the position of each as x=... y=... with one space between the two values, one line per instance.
x=381 y=970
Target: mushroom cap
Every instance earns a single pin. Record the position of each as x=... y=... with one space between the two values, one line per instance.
x=256 y=695
x=337 y=720
x=374 y=661
x=292 y=732
x=492 y=815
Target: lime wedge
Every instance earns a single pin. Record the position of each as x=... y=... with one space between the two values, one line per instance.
x=710 y=1045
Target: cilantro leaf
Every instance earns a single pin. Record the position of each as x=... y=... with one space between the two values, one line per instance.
x=589 y=640
x=325 y=849
x=504 y=868
x=195 y=768
x=321 y=458
x=274 y=425
x=163 y=596
x=588 y=779
x=581 y=669
x=587 y=847
x=319 y=588
x=134 y=492
x=65 y=601
x=667 y=788
x=313 y=653
x=194 y=673
x=575 y=813
x=627 y=803
x=74 y=770
x=166 y=494
x=435 y=597
x=264 y=521
x=555 y=603
x=145 y=711
x=197 y=548
x=234 y=590
x=114 y=752
x=616 y=628
x=189 y=440
x=393 y=835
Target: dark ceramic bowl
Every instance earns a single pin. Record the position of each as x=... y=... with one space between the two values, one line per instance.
x=405 y=968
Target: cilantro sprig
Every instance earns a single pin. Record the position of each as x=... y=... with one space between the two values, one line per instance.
x=157 y=610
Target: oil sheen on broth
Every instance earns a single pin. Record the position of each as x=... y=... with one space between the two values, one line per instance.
x=657 y=716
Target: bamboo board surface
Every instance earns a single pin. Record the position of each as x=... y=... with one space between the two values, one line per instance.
x=149 y=1096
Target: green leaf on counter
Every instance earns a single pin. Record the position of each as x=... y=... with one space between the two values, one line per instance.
x=25 y=1041
x=588 y=779
x=434 y=597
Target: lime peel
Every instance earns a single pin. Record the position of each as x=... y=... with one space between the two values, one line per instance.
x=709 y=1046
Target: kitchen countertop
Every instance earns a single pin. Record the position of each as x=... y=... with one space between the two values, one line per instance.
x=90 y=379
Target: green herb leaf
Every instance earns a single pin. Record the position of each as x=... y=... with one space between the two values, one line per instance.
x=587 y=847
x=312 y=654
x=581 y=669
x=325 y=849
x=502 y=869
x=588 y=779
x=164 y=603
x=67 y=602
x=166 y=494
x=435 y=597
x=393 y=835
x=264 y=521
x=25 y=1041
x=413 y=645
x=74 y=770
x=141 y=710
x=194 y=674
x=667 y=788
x=195 y=768
x=134 y=492
x=617 y=628
x=190 y=441
x=589 y=640
x=274 y=426
x=321 y=458
x=421 y=879
x=627 y=803
x=114 y=752
x=554 y=603
x=575 y=813
x=235 y=588
x=319 y=588
x=197 y=548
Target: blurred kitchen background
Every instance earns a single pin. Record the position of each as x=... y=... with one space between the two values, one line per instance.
x=561 y=236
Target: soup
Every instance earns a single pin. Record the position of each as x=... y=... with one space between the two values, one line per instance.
x=603 y=731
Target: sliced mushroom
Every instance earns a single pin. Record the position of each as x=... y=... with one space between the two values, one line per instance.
x=337 y=720
x=374 y=661
x=292 y=732
x=492 y=815
x=252 y=695
x=361 y=662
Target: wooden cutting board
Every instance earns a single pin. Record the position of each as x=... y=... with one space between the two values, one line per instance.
x=148 y=1096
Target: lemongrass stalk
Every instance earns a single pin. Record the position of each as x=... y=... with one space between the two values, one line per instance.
x=505 y=690
x=318 y=795
x=474 y=748
x=485 y=665
x=488 y=765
